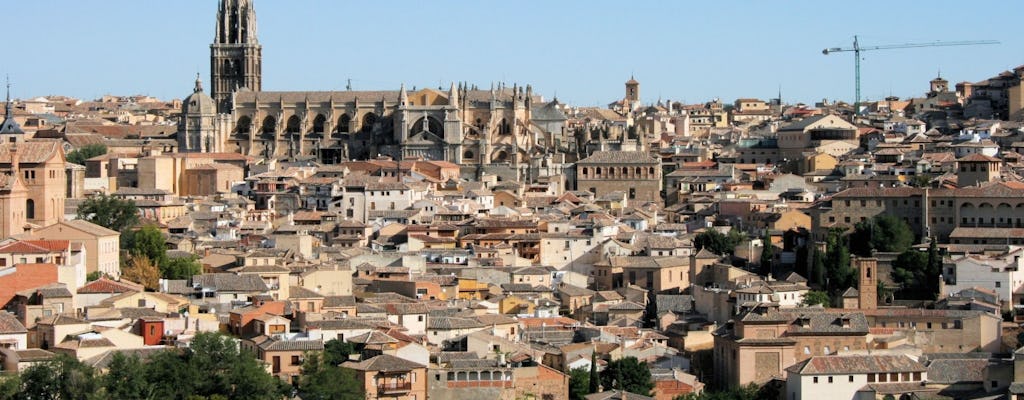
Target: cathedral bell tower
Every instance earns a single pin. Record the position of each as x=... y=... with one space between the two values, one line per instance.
x=236 y=58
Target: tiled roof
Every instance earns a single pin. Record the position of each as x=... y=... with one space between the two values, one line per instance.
x=225 y=282
x=36 y=246
x=957 y=370
x=271 y=344
x=835 y=365
x=453 y=323
x=9 y=324
x=299 y=292
x=619 y=157
x=384 y=363
x=105 y=285
x=30 y=152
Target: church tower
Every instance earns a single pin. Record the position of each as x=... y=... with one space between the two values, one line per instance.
x=197 y=129
x=632 y=93
x=236 y=58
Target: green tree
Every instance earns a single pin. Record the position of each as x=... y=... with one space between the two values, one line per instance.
x=109 y=212
x=767 y=255
x=814 y=297
x=579 y=383
x=10 y=386
x=910 y=270
x=594 y=381
x=170 y=375
x=94 y=275
x=817 y=277
x=839 y=275
x=250 y=380
x=181 y=268
x=322 y=381
x=884 y=233
x=126 y=379
x=717 y=242
x=629 y=374
x=63 y=377
x=337 y=351
x=86 y=152
x=148 y=241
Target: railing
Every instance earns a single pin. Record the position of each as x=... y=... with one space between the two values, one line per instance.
x=394 y=387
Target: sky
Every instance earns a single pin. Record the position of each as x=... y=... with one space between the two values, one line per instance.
x=581 y=51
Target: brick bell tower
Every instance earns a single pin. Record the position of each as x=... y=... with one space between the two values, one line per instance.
x=867 y=285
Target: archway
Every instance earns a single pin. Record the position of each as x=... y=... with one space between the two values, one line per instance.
x=433 y=125
x=293 y=125
x=501 y=156
x=243 y=126
x=318 y=123
x=343 y=123
x=368 y=120
x=269 y=125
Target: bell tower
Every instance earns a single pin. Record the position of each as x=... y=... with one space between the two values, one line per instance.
x=236 y=58
x=867 y=285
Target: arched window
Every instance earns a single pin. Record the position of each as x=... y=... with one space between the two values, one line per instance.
x=651 y=171
x=30 y=209
x=269 y=125
x=584 y=171
x=468 y=155
x=318 y=123
x=293 y=124
x=368 y=120
x=504 y=128
x=598 y=172
x=243 y=125
x=343 y=123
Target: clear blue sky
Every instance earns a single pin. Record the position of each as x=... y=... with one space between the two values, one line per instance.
x=584 y=50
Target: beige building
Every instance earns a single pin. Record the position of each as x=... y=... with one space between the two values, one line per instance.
x=390 y=377
x=102 y=245
x=40 y=166
x=634 y=173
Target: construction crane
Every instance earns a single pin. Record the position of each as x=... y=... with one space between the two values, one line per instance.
x=856 y=49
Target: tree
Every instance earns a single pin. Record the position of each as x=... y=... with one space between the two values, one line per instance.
x=595 y=379
x=767 y=255
x=10 y=386
x=148 y=242
x=818 y=269
x=109 y=212
x=884 y=233
x=140 y=269
x=814 y=297
x=838 y=273
x=94 y=275
x=579 y=383
x=910 y=270
x=322 y=381
x=63 y=377
x=717 y=242
x=181 y=268
x=337 y=351
x=629 y=374
x=125 y=378
x=86 y=152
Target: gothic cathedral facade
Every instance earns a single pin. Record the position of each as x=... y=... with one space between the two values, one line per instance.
x=460 y=124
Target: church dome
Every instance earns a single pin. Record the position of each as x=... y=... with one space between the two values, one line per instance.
x=199 y=102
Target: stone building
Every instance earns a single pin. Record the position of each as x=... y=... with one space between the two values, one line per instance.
x=634 y=173
x=463 y=125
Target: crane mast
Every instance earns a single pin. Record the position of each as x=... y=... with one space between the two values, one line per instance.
x=857 y=49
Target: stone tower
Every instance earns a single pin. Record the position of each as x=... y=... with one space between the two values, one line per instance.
x=632 y=93
x=867 y=285
x=236 y=55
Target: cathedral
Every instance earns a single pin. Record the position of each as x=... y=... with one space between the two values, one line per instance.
x=460 y=124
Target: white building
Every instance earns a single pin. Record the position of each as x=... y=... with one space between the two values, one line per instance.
x=855 y=377
x=999 y=273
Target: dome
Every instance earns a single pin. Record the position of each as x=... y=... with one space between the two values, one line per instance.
x=198 y=102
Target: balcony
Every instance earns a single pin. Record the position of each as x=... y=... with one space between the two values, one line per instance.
x=395 y=387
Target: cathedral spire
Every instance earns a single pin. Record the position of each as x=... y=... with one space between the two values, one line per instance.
x=7 y=103
x=403 y=96
x=453 y=96
x=199 y=84
x=235 y=55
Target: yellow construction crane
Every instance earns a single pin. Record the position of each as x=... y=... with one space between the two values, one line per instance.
x=857 y=48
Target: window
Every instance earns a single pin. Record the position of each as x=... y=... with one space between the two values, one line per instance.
x=830 y=379
x=419 y=318
x=871 y=378
x=815 y=379
x=998 y=284
x=851 y=378
x=295 y=360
